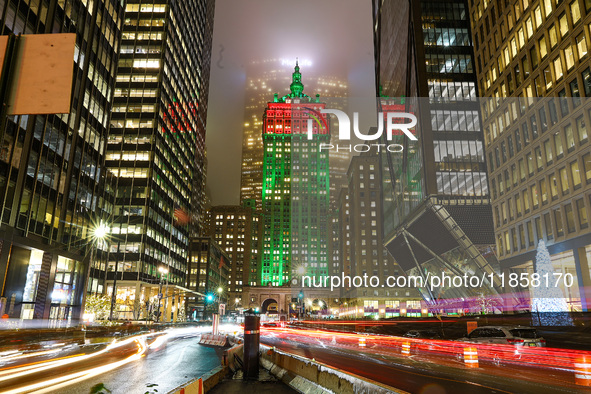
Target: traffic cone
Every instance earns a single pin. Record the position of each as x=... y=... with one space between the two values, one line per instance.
x=471 y=357
x=406 y=348
x=583 y=371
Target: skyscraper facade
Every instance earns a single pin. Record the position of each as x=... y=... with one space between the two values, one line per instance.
x=539 y=156
x=208 y=274
x=438 y=184
x=156 y=146
x=263 y=79
x=296 y=187
x=238 y=231
x=52 y=181
x=362 y=247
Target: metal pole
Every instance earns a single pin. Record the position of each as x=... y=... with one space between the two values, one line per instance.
x=114 y=293
x=166 y=291
x=159 y=299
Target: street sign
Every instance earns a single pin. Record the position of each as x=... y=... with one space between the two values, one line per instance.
x=222 y=309
x=159 y=296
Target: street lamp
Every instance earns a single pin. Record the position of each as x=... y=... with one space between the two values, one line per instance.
x=101 y=232
x=163 y=271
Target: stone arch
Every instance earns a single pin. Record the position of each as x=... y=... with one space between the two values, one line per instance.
x=270 y=305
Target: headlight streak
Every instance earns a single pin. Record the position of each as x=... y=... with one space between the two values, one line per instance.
x=37 y=364
x=52 y=384
x=20 y=355
x=62 y=381
x=78 y=376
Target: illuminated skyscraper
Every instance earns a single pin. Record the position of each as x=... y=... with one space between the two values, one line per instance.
x=264 y=78
x=51 y=178
x=539 y=156
x=295 y=191
x=156 y=146
x=237 y=229
x=438 y=185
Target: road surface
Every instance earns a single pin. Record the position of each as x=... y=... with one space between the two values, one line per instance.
x=149 y=363
x=422 y=372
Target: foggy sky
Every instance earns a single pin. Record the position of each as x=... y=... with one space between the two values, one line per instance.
x=334 y=34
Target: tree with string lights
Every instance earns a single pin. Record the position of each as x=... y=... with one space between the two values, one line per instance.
x=549 y=307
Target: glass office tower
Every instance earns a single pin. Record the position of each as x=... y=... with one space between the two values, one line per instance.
x=424 y=65
x=52 y=180
x=156 y=149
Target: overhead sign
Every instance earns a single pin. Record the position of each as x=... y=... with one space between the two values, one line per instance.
x=42 y=73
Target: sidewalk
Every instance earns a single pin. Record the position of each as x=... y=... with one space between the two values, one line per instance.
x=265 y=384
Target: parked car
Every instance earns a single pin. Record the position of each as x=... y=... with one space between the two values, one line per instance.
x=510 y=335
x=426 y=334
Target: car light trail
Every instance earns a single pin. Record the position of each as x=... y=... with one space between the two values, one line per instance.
x=11 y=371
x=20 y=355
x=141 y=342
x=453 y=351
x=66 y=380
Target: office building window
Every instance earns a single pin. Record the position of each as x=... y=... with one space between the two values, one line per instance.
x=548 y=225
x=582 y=213
x=558 y=68
x=575 y=12
x=570 y=218
x=553 y=36
x=581 y=45
x=558 y=221
x=576 y=176
x=558 y=145
x=587 y=165
x=586 y=74
x=563 y=23
x=581 y=130
x=564 y=180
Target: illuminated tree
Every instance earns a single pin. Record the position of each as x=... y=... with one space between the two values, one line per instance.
x=99 y=306
x=549 y=306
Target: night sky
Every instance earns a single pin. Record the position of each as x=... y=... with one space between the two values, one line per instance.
x=333 y=34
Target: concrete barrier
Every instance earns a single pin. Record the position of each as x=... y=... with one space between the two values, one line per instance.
x=209 y=381
x=307 y=376
x=229 y=356
x=213 y=340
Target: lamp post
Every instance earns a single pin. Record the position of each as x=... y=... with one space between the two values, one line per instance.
x=101 y=232
x=302 y=308
x=220 y=291
x=162 y=271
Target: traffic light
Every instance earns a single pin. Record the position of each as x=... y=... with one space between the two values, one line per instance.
x=209 y=298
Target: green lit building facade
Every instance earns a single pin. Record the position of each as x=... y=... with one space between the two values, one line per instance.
x=295 y=188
